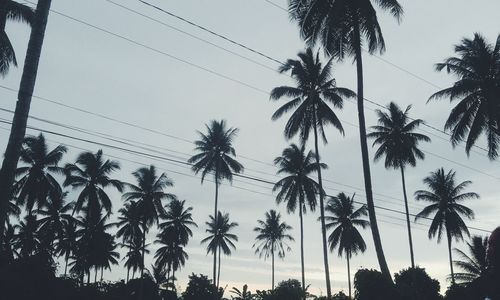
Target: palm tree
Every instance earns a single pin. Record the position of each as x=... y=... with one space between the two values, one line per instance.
x=149 y=192
x=473 y=265
x=243 y=294
x=21 y=113
x=133 y=258
x=91 y=174
x=297 y=189
x=129 y=222
x=8 y=251
x=13 y=11
x=314 y=90
x=220 y=239
x=342 y=27
x=399 y=144
x=445 y=195
x=37 y=182
x=216 y=154
x=106 y=254
x=477 y=67
x=171 y=254
x=180 y=219
x=67 y=245
x=272 y=237
x=343 y=219
x=27 y=241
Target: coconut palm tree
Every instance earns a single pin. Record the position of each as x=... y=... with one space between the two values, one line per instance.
x=243 y=294
x=90 y=173
x=473 y=265
x=342 y=27
x=314 y=91
x=106 y=254
x=129 y=222
x=150 y=194
x=11 y=11
x=180 y=219
x=37 y=182
x=272 y=237
x=398 y=143
x=477 y=67
x=27 y=241
x=67 y=245
x=171 y=254
x=133 y=258
x=220 y=238
x=216 y=155
x=343 y=219
x=298 y=189
x=8 y=251
x=445 y=196
x=21 y=113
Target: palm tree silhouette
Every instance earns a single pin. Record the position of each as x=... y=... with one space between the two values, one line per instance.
x=243 y=294
x=297 y=189
x=220 y=238
x=272 y=237
x=180 y=219
x=315 y=89
x=133 y=258
x=106 y=254
x=342 y=27
x=27 y=241
x=67 y=244
x=477 y=67
x=216 y=154
x=39 y=165
x=398 y=142
x=343 y=219
x=8 y=251
x=14 y=11
x=171 y=254
x=90 y=173
x=473 y=265
x=445 y=195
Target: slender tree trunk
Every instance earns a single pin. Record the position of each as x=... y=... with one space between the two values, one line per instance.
x=66 y=264
x=133 y=273
x=173 y=279
x=218 y=273
x=302 y=249
x=322 y=211
x=18 y=129
x=128 y=274
x=95 y=275
x=272 y=266
x=141 y=289
x=349 y=275
x=448 y=235
x=216 y=212
x=366 y=161
x=102 y=271
x=88 y=277
x=408 y=224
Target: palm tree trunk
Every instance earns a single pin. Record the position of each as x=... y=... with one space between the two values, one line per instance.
x=448 y=235
x=66 y=264
x=88 y=277
x=349 y=275
x=218 y=274
x=173 y=279
x=18 y=129
x=102 y=270
x=366 y=160
x=302 y=249
x=272 y=266
x=128 y=274
x=407 y=217
x=141 y=289
x=215 y=220
x=95 y=275
x=322 y=211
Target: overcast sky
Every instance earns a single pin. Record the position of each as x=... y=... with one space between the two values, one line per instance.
x=94 y=71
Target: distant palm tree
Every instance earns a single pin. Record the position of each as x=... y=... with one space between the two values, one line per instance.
x=473 y=265
x=27 y=241
x=149 y=193
x=243 y=294
x=39 y=165
x=343 y=219
x=53 y=217
x=220 y=239
x=106 y=254
x=477 y=67
x=129 y=222
x=314 y=91
x=11 y=10
x=297 y=189
x=342 y=27
x=180 y=219
x=399 y=144
x=171 y=254
x=445 y=195
x=90 y=173
x=133 y=258
x=216 y=155
x=8 y=251
x=67 y=245
x=272 y=235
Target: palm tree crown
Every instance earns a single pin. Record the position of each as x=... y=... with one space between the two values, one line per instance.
x=477 y=66
x=475 y=264
x=180 y=219
x=272 y=236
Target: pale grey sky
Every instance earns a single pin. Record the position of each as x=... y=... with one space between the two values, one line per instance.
x=94 y=71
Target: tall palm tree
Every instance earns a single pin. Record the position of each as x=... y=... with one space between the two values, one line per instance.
x=90 y=173
x=180 y=219
x=475 y=264
x=11 y=11
x=343 y=219
x=477 y=67
x=314 y=91
x=171 y=254
x=21 y=113
x=342 y=27
x=133 y=258
x=220 y=238
x=445 y=195
x=37 y=182
x=298 y=189
x=67 y=245
x=272 y=237
x=216 y=155
x=398 y=143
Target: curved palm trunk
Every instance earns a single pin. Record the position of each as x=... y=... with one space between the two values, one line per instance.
x=366 y=161
x=272 y=266
x=448 y=235
x=218 y=273
x=302 y=249
x=349 y=275
x=322 y=211
x=18 y=129
x=215 y=220
x=407 y=218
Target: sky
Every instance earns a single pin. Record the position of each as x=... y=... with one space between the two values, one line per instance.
x=152 y=82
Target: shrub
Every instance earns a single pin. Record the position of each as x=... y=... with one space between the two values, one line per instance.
x=416 y=284
x=200 y=288
x=372 y=285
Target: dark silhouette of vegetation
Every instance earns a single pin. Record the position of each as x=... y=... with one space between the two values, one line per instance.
x=416 y=284
x=445 y=196
x=373 y=285
x=200 y=288
x=473 y=265
x=243 y=294
x=399 y=144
